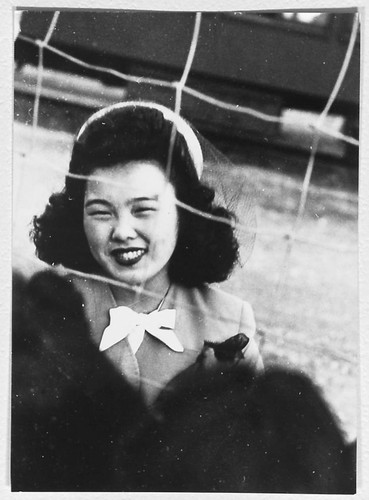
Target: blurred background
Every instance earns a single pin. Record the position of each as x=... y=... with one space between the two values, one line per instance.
x=258 y=87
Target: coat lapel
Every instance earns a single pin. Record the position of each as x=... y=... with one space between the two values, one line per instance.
x=98 y=299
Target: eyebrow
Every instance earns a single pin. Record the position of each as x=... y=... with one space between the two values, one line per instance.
x=100 y=201
x=155 y=197
x=96 y=201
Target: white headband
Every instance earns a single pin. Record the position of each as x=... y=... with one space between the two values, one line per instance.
x=181 y=125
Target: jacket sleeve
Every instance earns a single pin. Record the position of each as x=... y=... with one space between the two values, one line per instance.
x=248 y=327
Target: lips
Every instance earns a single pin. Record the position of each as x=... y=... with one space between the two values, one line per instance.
x=128 y=257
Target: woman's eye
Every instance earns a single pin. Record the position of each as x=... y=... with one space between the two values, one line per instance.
x=144 y=210
x=100 y=213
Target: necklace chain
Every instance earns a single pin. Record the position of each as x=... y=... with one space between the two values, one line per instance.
x=158 y=308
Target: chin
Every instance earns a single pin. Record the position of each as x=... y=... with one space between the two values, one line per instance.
x=132 y=279
x=141 y=276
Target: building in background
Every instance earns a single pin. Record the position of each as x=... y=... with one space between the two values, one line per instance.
x=283 y=65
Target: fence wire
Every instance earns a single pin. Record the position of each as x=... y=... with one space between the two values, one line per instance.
x=179 y=86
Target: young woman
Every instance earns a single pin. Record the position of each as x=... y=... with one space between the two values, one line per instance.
x=137 y=218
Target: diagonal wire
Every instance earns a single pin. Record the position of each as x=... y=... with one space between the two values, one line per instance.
x=232 y=107
x=311 y=163
x=180 y=85
x=222 y=220
x=40 y=69
x=98 y=68
x=236 y=108
x=336 y=135
x=296 y=343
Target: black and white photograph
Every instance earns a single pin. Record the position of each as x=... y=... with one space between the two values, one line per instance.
x=185 y=309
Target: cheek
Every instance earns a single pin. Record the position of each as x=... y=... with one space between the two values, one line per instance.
x=164 y=233
x=174 y=231
x=96 y=234
x=171 y=230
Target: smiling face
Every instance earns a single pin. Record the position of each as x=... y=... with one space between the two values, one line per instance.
x=131 y=222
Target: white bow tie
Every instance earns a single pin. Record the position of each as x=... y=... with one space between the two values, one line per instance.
x=127 y=323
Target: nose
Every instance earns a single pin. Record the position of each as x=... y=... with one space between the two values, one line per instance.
x=123 y=229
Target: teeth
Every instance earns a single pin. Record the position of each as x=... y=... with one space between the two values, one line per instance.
x=132 y=254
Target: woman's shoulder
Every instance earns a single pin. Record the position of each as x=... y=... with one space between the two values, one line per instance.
x=95 y=293
x=84 y=283
x=222 y=314
x=218 y=316
x=50 y=288
x=210 y=296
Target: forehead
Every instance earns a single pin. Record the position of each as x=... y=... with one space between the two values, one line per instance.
x=136 y=178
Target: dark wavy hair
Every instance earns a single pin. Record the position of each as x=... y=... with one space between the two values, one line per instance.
x=206 y=250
